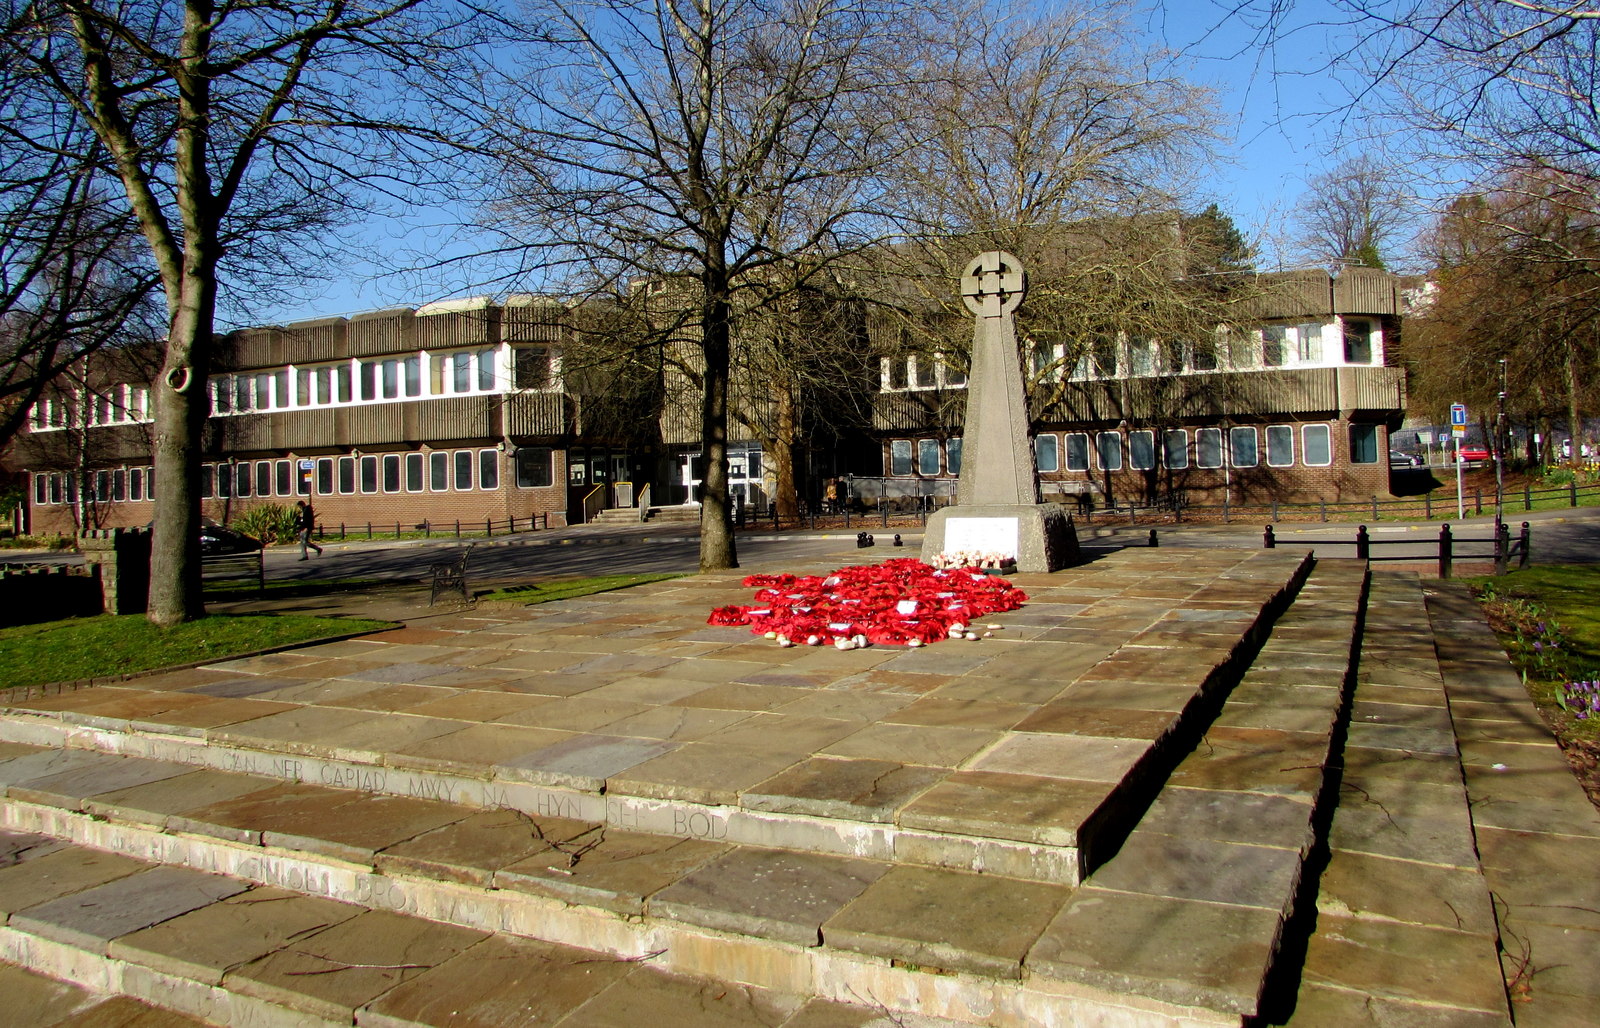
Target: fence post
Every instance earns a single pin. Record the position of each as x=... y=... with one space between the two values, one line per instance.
x=1224 y=510
x=883 y=509
x=341 y=531
x=1446 y=550
x=427 y=529
x=1522 y=557
x=1502 y=542
x=1269 y=541
x=1374 y=508
x=1363 y=543
x=1274 y=511
x=1572 y=491
x=488 y=527
x=458 y=528
x=397 y=530
x=369 y=530
x=1478 y=493
x=1527 y=497
x=1323 y=504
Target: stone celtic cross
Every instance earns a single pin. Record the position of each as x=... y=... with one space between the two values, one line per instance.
x=993 y=284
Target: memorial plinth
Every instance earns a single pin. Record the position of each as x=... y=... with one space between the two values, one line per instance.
x=997 y=509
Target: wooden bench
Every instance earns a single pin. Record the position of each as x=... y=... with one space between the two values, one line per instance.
x=234 y=567
x=451 y=576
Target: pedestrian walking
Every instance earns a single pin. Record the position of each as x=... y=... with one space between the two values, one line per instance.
x=305 y=519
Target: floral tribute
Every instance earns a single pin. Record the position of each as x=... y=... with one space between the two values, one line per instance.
x=900 y=602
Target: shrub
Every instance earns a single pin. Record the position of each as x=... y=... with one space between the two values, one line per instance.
x=269 y=522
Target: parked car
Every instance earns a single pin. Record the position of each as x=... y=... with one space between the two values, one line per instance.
x=1472 y=452
x=1399 y=460
x=215 y=538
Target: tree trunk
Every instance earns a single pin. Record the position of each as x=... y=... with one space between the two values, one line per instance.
x=781 y=459
x=180 y=402
x=1574 y=423
x=717 y=550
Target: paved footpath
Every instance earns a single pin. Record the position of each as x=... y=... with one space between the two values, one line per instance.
x=1175 y=788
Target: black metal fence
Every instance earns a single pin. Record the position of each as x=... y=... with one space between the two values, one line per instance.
x=1502 y=548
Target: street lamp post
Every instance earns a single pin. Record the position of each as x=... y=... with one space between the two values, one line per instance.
x=1500 y=453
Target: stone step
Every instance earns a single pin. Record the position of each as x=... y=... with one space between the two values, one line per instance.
x=974 y=947
x=630 y=515
x=145 y=943
x=808 y=749
x=1405 y=923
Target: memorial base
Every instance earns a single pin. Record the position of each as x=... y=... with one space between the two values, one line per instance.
x=1039 y=535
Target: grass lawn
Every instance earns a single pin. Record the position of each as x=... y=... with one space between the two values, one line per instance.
x=61 y=651
x=567 y=588
x=1548 y=620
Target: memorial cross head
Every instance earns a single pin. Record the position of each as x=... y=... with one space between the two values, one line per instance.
x=993 y=284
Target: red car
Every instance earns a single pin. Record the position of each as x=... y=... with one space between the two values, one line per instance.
x=1472 y=452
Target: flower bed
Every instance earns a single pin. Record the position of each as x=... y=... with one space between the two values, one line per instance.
x=900 y=602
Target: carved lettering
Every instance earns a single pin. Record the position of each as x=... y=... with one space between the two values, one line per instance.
x=427 y=788
x=553 y=805
x=366 y=779
x=697 y=824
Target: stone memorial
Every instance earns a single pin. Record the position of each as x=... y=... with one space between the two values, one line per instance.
x=997 y=508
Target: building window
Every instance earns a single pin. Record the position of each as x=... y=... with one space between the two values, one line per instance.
x=413 y=472
x=369 y=474
x=264 y=479
x=439 y=471
x=136 y=483
x=1242 y=447
x=1108 y=451
x=224 y=481
x=535 y=467
x=1309 y=336
x=463 y=480
x=413 y=375
x=899 y=456
x=952 y=453
x=486 y=375
x=391 y=472
x=1316 y=446
x=325 y=475
x=1363 y=444
x=926 y=374
x=954 y=375
x=1358 y=342
x=118 y=486
x=302 y=387
x=280 y=388
x=1077 y=451
x=488 y=469
x=347 y=475
x=530 y=367
x=341 y=376
x=241 y=478
x=1141 y=356
x=40 y=488
x=928 y=457
x=1208 y=448
x=207 y=474
x=1175 y=449
x=1203 y=355
x=282 y=471
x=1141 y=450
x=221 y=394
x=391 y=379
x=1274 y=346
x=55 y=489
x=1280 y=446
x=898 y=375
x=243 y=393
x=1047 y=453
x=369 y=380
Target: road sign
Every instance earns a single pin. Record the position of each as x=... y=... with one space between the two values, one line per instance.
x=307 y=465
x=1458 y=414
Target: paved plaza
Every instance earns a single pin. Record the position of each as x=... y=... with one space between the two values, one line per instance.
x=1177 y=787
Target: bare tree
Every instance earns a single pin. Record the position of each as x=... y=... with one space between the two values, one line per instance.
x=70 y=277
x=1517 y=280
x=230 y=128
x=715 y=148
x=1353 y=214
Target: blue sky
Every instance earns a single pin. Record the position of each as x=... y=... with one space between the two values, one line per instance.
x=1280 y=106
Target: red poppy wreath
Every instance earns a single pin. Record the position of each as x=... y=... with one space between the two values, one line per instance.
x=901 y=602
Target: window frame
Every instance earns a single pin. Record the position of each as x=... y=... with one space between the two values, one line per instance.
x=1212 y=438
x=1306 y=450
x=1237 y=433
x=1280 y=431
x=1149 y=436
x=1100 y=439
x=1051 y=442
x=1075 y=451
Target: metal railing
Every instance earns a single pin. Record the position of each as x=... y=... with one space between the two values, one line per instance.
x=428 y=529
x=1502 y=552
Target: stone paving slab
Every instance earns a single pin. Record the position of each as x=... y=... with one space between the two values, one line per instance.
x=91 y=918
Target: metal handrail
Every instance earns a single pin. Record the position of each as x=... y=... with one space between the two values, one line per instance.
x=594 y=501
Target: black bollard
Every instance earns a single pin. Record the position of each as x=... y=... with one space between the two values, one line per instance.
x=897 y=541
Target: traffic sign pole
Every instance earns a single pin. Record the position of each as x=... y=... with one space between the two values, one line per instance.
x=1458 y=431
